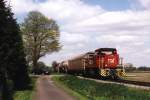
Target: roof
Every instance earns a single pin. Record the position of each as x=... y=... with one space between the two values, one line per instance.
x=106 y=49
x=81 y=55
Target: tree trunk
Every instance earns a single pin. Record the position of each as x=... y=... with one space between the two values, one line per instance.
x=6 y=94
x=34 y=62
x=1 y=87
x=35 y=53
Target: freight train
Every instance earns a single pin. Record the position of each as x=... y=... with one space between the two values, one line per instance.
x=103 y=62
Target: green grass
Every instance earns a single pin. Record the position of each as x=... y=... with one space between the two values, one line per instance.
x=92 y=90
x=26 y=94
x=76 y=95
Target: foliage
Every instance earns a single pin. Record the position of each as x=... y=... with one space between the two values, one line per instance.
x=41 y=36
x=130 y=69
x=143 y=68
x=101 y=91
x=41 y=69
x=134 y=69
x=54 y=66
x=12 y=58
x=26 y=94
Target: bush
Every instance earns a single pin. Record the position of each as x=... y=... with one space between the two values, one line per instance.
x=26 y=94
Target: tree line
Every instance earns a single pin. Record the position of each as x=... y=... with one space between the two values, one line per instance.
x=141 y=68
x=13 y=66
x=130 y=68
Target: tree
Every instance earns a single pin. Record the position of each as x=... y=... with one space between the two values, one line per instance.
x=41 y=68
x=54 y=66
x=129 y=67
x=41 y=36
x=143 y=68
x=13 y=65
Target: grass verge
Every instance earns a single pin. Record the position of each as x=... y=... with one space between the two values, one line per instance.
x=26 y=94
x=92 y=90
x=76 y=95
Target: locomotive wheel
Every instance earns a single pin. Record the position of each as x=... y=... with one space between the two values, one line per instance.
x=114 y=77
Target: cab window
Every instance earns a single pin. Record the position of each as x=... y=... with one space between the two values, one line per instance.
x=107 y=52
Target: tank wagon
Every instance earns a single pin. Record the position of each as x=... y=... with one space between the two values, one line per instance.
x=104 y=62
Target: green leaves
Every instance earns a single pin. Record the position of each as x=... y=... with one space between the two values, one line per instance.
x=13 y=67
x=41 y=36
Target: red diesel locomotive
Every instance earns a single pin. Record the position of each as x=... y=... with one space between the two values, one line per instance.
x=103 y=62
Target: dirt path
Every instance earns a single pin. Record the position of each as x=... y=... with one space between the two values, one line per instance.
x=46 y=90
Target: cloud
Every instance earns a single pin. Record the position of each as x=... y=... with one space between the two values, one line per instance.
x=22 y=6
x=117 y=39
x=145 y=3
x=86 y=27
x=65 y=11
x=73 y=38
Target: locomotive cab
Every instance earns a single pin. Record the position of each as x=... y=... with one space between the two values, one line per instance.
x=107 y=61
x=106 y=58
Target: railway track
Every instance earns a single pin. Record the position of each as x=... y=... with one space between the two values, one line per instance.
x=134 y=82
x=128 y=83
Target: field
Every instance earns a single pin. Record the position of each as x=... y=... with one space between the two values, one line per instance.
x=138 y=76
x=92 y=90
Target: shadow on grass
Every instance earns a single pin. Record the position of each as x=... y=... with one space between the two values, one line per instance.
x=25 y=93
x=30 y=86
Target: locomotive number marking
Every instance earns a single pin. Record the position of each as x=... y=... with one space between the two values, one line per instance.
x=111 y=60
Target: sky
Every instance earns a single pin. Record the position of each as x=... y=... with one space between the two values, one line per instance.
x=86 y=25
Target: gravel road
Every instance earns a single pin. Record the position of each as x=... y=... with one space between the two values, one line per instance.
x=46 y=90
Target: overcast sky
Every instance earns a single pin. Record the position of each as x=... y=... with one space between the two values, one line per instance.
x=86 y=25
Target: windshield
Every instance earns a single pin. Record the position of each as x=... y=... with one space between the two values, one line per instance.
x=106 y=52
